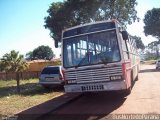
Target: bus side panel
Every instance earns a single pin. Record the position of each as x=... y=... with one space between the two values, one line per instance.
x=127 y=73
x=135 y=67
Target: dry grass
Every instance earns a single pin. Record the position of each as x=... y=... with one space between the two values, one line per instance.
x=31 y=94
x=150 y=62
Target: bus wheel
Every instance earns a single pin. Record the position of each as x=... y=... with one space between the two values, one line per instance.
x=137 y=78
x=132 y=80
x=127 y=92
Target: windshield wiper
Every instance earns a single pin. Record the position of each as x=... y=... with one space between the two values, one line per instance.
x=81 y=61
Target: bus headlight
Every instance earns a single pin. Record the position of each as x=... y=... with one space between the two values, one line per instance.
x=71 y=81
x=116 y=77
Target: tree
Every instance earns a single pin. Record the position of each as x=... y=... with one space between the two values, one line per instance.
x=29 y=55
x=154 y=47
x=152 y=23
x=13 y=62
x=42 y=52
x=74 y=12
x=138 y=41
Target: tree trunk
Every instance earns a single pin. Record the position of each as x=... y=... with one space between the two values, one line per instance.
x=112 y=9
x=18 y=83
x=6 y=76
x=157 y=51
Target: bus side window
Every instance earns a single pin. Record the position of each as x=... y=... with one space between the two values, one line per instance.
x=129 y=46
x=124 y=48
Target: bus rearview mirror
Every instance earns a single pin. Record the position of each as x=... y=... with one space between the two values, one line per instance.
x=124 y=35
x=56 y=43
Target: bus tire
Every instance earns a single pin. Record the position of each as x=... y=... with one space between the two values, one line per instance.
x=137 y=78
x=132 y=80
x=127 y=92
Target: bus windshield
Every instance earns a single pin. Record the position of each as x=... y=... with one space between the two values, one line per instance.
x=91 y=49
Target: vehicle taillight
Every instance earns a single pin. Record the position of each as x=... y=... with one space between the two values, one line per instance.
x=61 y=75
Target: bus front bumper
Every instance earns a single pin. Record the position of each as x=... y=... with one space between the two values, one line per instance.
x=94 y=87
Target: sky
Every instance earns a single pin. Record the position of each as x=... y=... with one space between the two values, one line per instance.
x=22 y=24
x=137 y=27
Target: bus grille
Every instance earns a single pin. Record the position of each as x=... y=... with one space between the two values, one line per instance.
x=93 y=75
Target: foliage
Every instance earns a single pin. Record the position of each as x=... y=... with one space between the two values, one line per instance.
x=154 y=47
x=153 y=44
x=138 y=41
x=29 y=55
x=70 y=13
x=41 y=52
x=150 y=56
x=13 y=62
x=152 y=23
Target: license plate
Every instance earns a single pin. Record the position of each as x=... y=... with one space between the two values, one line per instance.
x=50 y=79
x=92 y=87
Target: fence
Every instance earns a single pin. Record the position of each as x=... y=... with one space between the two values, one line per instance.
x=35 y=67
x=22 y=75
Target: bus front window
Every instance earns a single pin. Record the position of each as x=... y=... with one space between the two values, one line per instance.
x=96 y=48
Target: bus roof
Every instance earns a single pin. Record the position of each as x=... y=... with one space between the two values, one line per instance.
x=91 y=23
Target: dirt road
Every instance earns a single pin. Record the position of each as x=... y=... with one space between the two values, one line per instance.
x=144 y=99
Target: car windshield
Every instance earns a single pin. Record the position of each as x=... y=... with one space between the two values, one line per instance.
x=91 y=49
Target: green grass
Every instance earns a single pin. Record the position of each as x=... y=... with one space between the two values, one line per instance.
x=31 y=94
x=9 y=83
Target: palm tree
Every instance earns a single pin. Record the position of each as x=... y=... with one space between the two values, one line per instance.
x=13 y=62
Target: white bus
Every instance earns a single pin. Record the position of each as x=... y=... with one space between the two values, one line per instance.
x=99 y=56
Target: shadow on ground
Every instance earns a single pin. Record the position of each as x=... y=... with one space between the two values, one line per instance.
x=92 y=106
x=89 y=106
